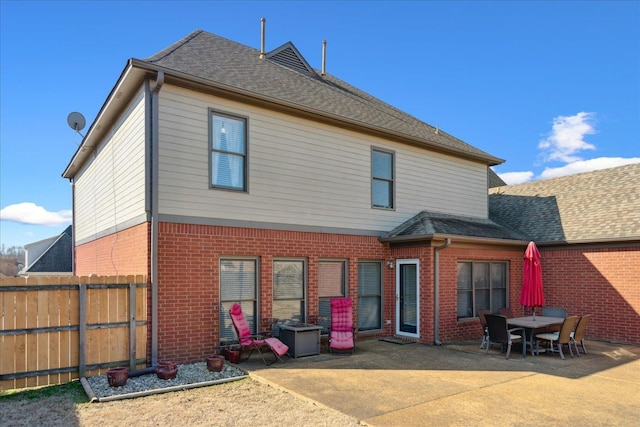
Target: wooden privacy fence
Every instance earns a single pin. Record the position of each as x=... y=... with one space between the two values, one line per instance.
x=56 y=329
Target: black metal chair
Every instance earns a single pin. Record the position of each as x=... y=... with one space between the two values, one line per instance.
x=499 y=333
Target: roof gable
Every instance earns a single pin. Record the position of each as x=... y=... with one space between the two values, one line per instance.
x=57 y=258
x=288 y=56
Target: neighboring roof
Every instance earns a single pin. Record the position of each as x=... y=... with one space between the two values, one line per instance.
x=494 y=180
x=429 y=225
x=282 y=79
x=599 y=206
x=56 y=258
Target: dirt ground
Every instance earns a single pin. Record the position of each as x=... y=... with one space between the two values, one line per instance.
x=245 y=402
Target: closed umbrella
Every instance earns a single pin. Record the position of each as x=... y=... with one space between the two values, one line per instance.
x=532 y=293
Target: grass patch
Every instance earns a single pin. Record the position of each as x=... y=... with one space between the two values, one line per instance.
x=72 y=390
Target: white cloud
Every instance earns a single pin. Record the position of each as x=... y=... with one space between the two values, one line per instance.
x=30 y=213
x=567 y=138
x=587 y=166
x=513 y=178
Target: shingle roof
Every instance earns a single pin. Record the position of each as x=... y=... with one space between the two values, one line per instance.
x=57 y=258
x=603 y=206
x=426 y=225
x=207 y=57
x=494 y=180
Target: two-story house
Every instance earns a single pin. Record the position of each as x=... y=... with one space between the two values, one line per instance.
x=229 y=174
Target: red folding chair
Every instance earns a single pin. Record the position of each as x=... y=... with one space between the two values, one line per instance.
x=252 y=342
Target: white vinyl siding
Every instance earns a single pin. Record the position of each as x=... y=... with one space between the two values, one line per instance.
x=303 y=172
x=110 y=189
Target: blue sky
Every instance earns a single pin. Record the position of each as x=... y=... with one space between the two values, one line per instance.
x=551 y=87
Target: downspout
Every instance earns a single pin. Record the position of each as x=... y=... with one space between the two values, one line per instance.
x=436 y=297
x=155 y=94
x=72 y=182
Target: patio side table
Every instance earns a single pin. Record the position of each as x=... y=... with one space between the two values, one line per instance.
x=301 y=338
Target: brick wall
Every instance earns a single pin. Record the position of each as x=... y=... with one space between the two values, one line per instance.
x=122 y=253
x=188 y=285
x=604 y=282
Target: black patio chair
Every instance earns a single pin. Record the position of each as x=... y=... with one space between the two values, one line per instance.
x=499 y=333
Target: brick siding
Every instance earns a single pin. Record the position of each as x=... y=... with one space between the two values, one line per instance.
x=188 y=284
x=601 y=282
x=125 y=252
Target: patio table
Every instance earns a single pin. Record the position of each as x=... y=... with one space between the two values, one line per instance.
x=530 y=324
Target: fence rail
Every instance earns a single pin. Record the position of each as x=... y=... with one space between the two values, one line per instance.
x=56 y=329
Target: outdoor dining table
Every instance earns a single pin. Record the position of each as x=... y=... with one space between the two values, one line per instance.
x=531 y=323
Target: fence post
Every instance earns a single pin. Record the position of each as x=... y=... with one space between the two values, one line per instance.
x=82 y=329
x=132 y=326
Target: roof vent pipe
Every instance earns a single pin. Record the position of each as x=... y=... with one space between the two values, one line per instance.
x=263 y=22
x=324 y=57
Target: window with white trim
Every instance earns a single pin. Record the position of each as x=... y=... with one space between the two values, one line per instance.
x=481 y=286
x=228 y=146
x=382 y=178
x=238 y=283
x=289 y=290
x=369 y=295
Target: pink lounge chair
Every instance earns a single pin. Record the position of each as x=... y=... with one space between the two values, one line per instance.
x=254 y=342
x=341 y=334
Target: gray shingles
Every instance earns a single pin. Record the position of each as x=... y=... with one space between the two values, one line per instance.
x=603 y=205
x=219 y=60
x=426 y=224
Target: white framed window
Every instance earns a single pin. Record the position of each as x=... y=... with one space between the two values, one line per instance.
x=369 y=295
x=332 y=283
x=481 y=286
x=289 y=290
x=382 y=178
x=238 y=284
x=228 y=147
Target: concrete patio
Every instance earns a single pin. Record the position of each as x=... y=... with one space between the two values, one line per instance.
x=457 y=384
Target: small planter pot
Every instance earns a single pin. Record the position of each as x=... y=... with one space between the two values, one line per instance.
x=167 y=370
x=117 y=377
x=234 y=355
x=215 y=363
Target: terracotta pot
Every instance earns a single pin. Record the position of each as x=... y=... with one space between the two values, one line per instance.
x=166 y=364
x=166 y=370
x=215 y=363
x=117 y=376
x=234 y=356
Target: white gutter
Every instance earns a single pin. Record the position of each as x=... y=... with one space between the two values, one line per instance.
x=436 y=297
x=155 y=94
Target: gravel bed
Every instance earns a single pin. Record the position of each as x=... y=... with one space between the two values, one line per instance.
x=194 y=373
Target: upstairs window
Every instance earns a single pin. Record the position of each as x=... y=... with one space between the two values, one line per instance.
x=228 y=143
x=382 y=179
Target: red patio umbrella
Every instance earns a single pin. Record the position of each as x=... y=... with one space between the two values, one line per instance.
x=532 y=294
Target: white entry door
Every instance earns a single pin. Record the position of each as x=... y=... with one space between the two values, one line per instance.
x=408 y=297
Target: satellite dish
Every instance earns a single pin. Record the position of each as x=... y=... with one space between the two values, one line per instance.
x=76 y=121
